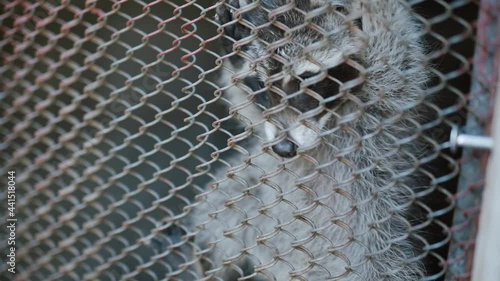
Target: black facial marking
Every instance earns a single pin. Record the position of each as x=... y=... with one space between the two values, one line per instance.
x=358 y=23
x=343 y=72
x=340 y=9
x=326 y=88
x=307 y=74
x=285 y=148
x=256 y=84
x=303 y=102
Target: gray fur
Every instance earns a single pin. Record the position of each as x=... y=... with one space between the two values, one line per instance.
x=340 y=207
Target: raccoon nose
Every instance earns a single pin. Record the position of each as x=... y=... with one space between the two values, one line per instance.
x=285 y=148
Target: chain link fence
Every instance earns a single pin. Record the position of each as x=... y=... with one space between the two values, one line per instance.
x=147 y=141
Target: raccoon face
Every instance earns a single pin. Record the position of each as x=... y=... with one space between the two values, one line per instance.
x=298 y=75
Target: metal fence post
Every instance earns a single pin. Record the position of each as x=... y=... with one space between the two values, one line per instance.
x=473 y=167
x=487 y=255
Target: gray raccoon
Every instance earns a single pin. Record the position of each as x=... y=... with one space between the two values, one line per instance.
x=330 y=197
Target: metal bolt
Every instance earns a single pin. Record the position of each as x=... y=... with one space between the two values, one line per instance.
x=464 y=140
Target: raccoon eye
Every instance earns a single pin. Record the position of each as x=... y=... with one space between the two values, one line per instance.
x=255 y=85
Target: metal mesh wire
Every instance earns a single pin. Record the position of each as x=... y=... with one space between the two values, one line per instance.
x=115 y=123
